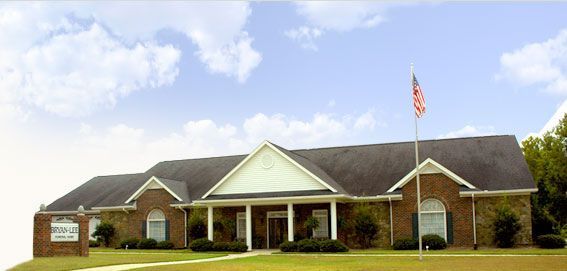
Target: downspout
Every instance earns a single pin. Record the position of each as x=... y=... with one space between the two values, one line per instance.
x=474 y=223
x=185 y=227
x=391 y=223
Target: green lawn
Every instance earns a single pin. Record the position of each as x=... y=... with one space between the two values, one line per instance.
x=309 y=263
x=103 y=259
x=460 y=251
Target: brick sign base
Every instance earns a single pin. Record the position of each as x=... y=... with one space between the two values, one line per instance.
x=42 y=245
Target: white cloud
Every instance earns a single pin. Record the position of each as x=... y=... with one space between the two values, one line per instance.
x=366 y=121
x=342 y=15
x=554 y=120
x=332 y=103
x=75 y=58
x=469 y=131
x=305 y=36
x=540 y=64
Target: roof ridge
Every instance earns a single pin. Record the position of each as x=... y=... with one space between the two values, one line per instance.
x=401 y=142
x=114 y=175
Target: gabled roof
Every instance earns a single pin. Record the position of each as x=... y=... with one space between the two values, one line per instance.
x=286 y=155
x=487 y=163
x=177 y=189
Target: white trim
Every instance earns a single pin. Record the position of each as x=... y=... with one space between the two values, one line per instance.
x=269 y=201
x=273 y=215
x=143 y=188
x=443 y=169
x=494 y=193
x=148 y=220
x=436 y=212
x=243 y=162
x=240 y=216
x=378 y=198
x=94 y=212
x=124 y=208
x=320 y=213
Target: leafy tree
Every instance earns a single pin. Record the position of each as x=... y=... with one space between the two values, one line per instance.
x=506 y=226
x=196 y=225
x=104 y=231
x=311 y=223
x=546 y=157
x=365 y=225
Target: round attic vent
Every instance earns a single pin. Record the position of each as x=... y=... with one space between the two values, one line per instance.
x=267 y=161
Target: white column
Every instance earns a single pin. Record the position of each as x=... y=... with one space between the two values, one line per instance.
x=334 y=219
x=210 y=223
x=249 y=226
x=290 y=222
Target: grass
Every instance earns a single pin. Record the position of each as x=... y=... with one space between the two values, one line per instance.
x=104 y=259
x=460 y=251
x=315 y=262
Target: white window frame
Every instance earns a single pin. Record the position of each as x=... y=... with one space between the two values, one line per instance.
x=321 y=213
x=436 y=212
x=148 y=220
x=240 y=216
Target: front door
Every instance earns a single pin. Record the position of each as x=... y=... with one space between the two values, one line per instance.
x=277 y=232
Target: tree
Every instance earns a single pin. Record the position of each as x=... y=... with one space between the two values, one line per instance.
x=506 y=226
x=196 y=225
x=104 y=231
x=546 y=157
x=311 y=224
x=365 y=225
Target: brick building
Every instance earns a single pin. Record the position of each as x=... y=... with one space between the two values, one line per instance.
x=264 y=198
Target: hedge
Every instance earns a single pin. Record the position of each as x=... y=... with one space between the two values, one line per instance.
x=550 y=241
x=165 y=245
x=434 y=241
x=204 y=244
x=147 y=243
x=332 y=246
x=405 y=244
x=132 y=243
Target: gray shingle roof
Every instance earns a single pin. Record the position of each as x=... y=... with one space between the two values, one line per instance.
x=489 y=163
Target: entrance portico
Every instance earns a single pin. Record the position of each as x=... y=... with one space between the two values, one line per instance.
x=272 y=221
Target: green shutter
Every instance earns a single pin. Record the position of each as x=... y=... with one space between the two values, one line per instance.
x=144 y=229
x=414 y=226
x=167 y=230
x=449 y=228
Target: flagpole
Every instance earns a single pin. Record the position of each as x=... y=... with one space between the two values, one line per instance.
x=417 y=177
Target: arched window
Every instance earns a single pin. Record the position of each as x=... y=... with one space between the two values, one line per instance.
x=433 y=218
x=156 y=225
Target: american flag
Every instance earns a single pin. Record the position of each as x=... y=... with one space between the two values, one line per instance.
x=418 y=99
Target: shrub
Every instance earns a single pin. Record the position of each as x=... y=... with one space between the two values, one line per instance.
x=298 y=237
x=221 y=246
x=308 y=245
x=165 y=245
x=202 y=244
x=94 y=243
x=550 y=241
x=333 y=246
x=365 y=226
x=196 y=225
x=238 y=247
x=257 y=241
x=434 y=241
x=310 y=224
x=506 y=226
x=104 y=231
x=132 y=243
x=288 y=246
x=405 y=244
x=147 y=243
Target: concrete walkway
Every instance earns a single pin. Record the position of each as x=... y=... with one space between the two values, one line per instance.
x=142 y=265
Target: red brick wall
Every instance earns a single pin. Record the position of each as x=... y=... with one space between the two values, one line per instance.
x=130 y=225
x=444 y=189
x=43 y=247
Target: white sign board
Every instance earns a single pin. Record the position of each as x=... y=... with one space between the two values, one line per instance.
x=64 y=232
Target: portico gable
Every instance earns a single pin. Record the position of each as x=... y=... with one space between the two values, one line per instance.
x=267 y=170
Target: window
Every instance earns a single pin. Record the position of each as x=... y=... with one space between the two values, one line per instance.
x=93 y=223
x=323 y=230
x=156 y=225
x=433 y=218
x=240 y=225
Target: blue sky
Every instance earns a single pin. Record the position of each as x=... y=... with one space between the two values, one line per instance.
x=101 y=88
